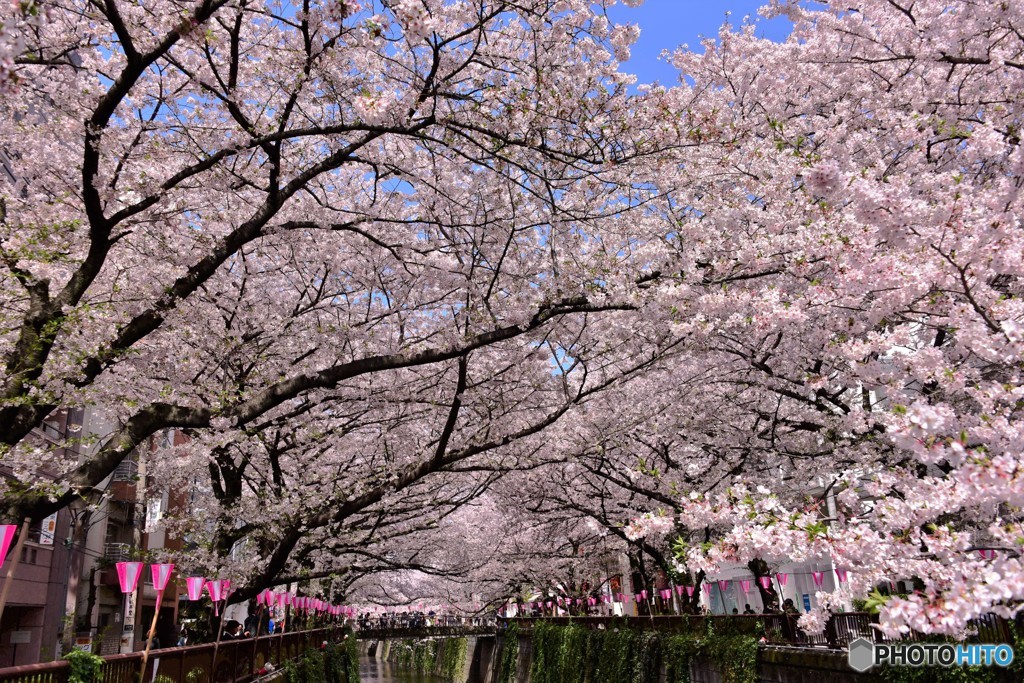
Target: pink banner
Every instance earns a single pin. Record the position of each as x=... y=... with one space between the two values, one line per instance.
x=7 y=532
x=128 y=574
x=161 y=575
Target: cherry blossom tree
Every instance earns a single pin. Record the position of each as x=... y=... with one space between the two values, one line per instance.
x=365 y=254
x=851 y=275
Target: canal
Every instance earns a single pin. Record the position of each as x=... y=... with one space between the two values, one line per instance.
x=375 y=671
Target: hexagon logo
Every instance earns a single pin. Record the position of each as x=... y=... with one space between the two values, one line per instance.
x=862 y=655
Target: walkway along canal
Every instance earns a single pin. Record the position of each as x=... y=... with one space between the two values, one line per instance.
x=326 y=655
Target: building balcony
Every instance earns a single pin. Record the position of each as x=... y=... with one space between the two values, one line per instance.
x=128 y=470
x=117 y=552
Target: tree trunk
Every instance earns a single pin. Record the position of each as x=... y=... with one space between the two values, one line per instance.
x=769 y=596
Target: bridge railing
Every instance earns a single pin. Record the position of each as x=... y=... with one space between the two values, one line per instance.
x=454 y=631
x=233 y=661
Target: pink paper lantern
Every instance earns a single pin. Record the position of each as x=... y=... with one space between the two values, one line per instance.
x=282 y=599
x=161 y=575
x=194 y=586
x=216 y=590
x=689 y=591
x=723 y=585
x=680 y=589
x=7 y=532
x=261 y=598
x=765 y=581
x=622 y=597
x=128 y=574
x=818 y=578
x=745 y=585
x=643 y=594
x=987 y=554
x=707 y=588
x=637 y=598
x=841 y=575
x=783 y=578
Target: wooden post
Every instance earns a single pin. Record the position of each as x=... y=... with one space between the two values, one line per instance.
x=255 y=638
x=15 y=559
x=149 y=638
x=216 y=643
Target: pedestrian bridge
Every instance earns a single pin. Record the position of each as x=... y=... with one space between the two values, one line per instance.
x=397 y=632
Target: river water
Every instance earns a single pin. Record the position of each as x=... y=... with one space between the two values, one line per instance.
x=375 y=671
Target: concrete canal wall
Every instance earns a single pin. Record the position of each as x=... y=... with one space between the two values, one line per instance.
x=478 y=659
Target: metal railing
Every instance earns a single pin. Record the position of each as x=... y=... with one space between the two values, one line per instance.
x=126 y=470
x=388 y=632
x=117 y=552
x=234 y=661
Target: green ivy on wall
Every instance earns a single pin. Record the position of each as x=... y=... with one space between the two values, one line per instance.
x=453 y=656
x=509 y=666
x=571 y=654
x=444 y=657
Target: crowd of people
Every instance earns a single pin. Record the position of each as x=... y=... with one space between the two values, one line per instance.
x=416 y=619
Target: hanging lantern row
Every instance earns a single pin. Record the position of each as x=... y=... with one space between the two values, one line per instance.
x=128 y=574
x=666 y=593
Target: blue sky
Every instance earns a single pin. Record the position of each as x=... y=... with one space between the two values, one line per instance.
x=667 y=24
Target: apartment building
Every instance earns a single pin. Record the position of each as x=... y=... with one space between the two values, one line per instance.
x=34 y=626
